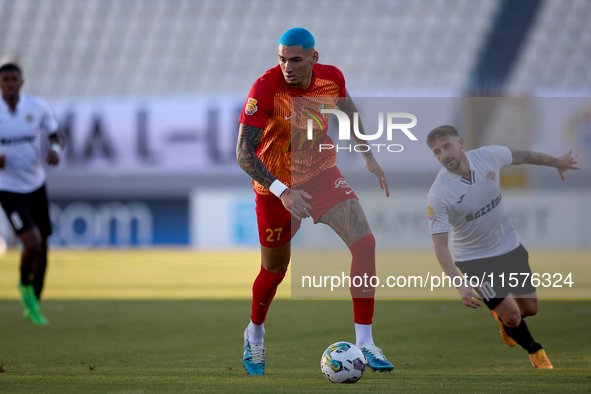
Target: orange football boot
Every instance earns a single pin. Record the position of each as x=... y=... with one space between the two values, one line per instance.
x=540 y=360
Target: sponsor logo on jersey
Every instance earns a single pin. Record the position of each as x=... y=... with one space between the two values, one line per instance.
x=341 y=182
x=430 y=213
x=491 y=176
x=484 y=210
x=17 y=140
x=461 y=198
x=251 y=106
x=29 y=118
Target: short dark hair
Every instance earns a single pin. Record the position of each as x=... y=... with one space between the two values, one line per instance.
x=441 y=131
x=10 y=67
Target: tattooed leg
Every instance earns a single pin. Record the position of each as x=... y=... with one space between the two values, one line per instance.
x=348 y=220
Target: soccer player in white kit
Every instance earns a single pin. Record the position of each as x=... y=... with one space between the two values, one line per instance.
x=465 y=202
x=24 y=120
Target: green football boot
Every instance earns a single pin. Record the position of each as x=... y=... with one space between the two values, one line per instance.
x=31 y=305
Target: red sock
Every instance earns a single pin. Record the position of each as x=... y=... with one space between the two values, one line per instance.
x=363 y=267
x=263 y=291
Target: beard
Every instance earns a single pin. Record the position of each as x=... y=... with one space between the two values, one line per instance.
x=454 y=164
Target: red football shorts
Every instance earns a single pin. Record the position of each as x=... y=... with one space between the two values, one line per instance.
x=277 y=226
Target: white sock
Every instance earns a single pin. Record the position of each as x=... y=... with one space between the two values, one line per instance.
x=363 y=335
x=256 y=332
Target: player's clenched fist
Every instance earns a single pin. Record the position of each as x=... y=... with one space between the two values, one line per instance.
x=295 y=202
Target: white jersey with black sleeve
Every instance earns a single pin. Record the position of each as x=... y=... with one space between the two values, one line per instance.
x=472 y=210
x=20 y=141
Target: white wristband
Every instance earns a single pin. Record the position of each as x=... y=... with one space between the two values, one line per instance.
x=277 y=188
x=57 y=148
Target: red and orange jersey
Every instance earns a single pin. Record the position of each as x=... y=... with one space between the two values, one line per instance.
x=284 y=149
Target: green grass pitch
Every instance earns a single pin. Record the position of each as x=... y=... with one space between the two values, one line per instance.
x=167 y=321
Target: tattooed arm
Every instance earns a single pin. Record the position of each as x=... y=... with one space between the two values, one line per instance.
x=249 y=138
x=348 y=107
x=562 y=163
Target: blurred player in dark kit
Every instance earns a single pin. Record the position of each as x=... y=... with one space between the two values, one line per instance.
x=24 y=120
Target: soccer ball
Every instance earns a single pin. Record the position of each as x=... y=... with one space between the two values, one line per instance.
x=342 y=362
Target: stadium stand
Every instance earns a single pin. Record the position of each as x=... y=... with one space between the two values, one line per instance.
x=162 y=47
x=557 y=53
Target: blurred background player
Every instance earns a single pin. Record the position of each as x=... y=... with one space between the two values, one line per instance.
x=24 y=120
x=262 y=151
x=466 y=196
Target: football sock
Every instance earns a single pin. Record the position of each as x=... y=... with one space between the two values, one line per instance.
x=25 y=272
x=363 y=266
x=263 y=291
x=363 y=335
x=29 y=259
x=363 y=310
x=534 y=348
x=521 y=335
x=38 y=285
x=256 y=332
x=39 y=277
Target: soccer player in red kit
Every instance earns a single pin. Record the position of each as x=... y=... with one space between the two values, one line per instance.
x=300 y=183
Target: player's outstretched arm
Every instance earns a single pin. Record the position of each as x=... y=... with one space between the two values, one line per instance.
x=468 y=295
x=249 y=138
x=57 y=141
x=562 y=163
x=348 y=106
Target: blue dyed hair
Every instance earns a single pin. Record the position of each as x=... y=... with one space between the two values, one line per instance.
x=297 y=36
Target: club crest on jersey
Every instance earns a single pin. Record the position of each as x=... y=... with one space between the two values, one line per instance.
x=491 y=176
x=251 y=106
x=430 y=213
x=341 y=182
x=29 y=118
